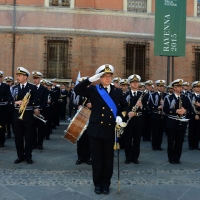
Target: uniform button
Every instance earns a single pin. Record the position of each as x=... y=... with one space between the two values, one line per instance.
x=152 y=107
x=103 y=108
x=170 y=111
x=101 y=122
x=33 y=103
x=110 y=116
x=109 y=124
x=102 y=115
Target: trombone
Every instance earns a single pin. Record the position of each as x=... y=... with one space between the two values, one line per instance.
x=40 y=117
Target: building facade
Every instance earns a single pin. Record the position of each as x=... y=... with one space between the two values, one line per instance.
x=62 y=37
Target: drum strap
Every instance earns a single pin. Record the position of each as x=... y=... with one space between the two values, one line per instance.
x=108 y=100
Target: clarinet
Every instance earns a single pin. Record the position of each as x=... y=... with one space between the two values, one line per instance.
x=135 y=108
x=180 y=105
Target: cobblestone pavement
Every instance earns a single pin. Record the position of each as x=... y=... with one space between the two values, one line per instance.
x=54 y=174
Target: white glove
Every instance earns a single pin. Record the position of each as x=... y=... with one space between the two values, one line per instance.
x=118 y=119
x=96 y=77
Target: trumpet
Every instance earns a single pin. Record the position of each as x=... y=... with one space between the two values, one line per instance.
x=24 y=104
x=40 y=117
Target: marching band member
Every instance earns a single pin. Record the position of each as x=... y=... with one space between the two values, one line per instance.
x=141 y=86
x=5 y=97
x=49 y=110
x=157 y=119
x=132 y=134
x=194 y=123
x=9 y=121
x=147 y=113
x=83 y=144
x=170 y=89
x=73 y=101
x=56 y=90
x=186 y=90
x=41 y=103
x=124 y=86
x=25 y=98
x=62 y=102
x=105 y=99
x=116 y=81
x=176 y=107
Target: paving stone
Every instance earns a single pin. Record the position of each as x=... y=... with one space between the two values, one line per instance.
x=54 y=174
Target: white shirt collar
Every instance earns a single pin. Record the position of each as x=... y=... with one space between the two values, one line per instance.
x=23 y=84
x=108 y=88
x=176 y=95
x=38 y=86
x=133 y=92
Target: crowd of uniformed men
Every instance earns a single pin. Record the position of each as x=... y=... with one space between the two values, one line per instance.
x=160 y=109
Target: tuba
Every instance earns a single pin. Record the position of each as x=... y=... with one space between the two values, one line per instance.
x=24 y=104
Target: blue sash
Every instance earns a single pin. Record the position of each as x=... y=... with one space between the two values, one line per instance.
x=106 y=97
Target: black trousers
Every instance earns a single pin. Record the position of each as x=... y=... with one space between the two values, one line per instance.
x=194 y=133
x=146 y=127
x=38 y=135
x=70 y=112
x=2 y=133
x=23 y=138
x=157 y=132
x=48 y=126
x=83 y=147
x=102 y=161
x=175 y=142
x=132 y=139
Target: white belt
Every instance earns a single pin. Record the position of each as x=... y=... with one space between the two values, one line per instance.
x=3 y=103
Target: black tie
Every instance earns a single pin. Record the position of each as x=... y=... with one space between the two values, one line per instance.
x=106 y=89
x=22 y=87
x=134 y=94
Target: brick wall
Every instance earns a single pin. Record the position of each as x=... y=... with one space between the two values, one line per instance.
x=24 y=2
x=88 y=53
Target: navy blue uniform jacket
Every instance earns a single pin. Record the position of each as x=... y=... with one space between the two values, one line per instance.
x=101 y=122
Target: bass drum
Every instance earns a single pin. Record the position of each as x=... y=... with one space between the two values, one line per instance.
x=77 y=125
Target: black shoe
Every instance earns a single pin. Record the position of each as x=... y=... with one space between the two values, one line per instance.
x=40 y=148
x=127 y=161
x=197 y=148
x=18 y=160
x=97 y=190
x=1 y=145
x=178 y=162
x=78 y=162
x=29 y=161
x=54 y=127
x=89 y=162
x=105 y=191
x=159 y=149
x=47 y=138
x=154 y=148
x=8 y=137
x=191 y=148
x=171 y=161
x=136 y=162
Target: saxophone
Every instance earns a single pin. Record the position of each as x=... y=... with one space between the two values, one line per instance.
x=24 y=104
